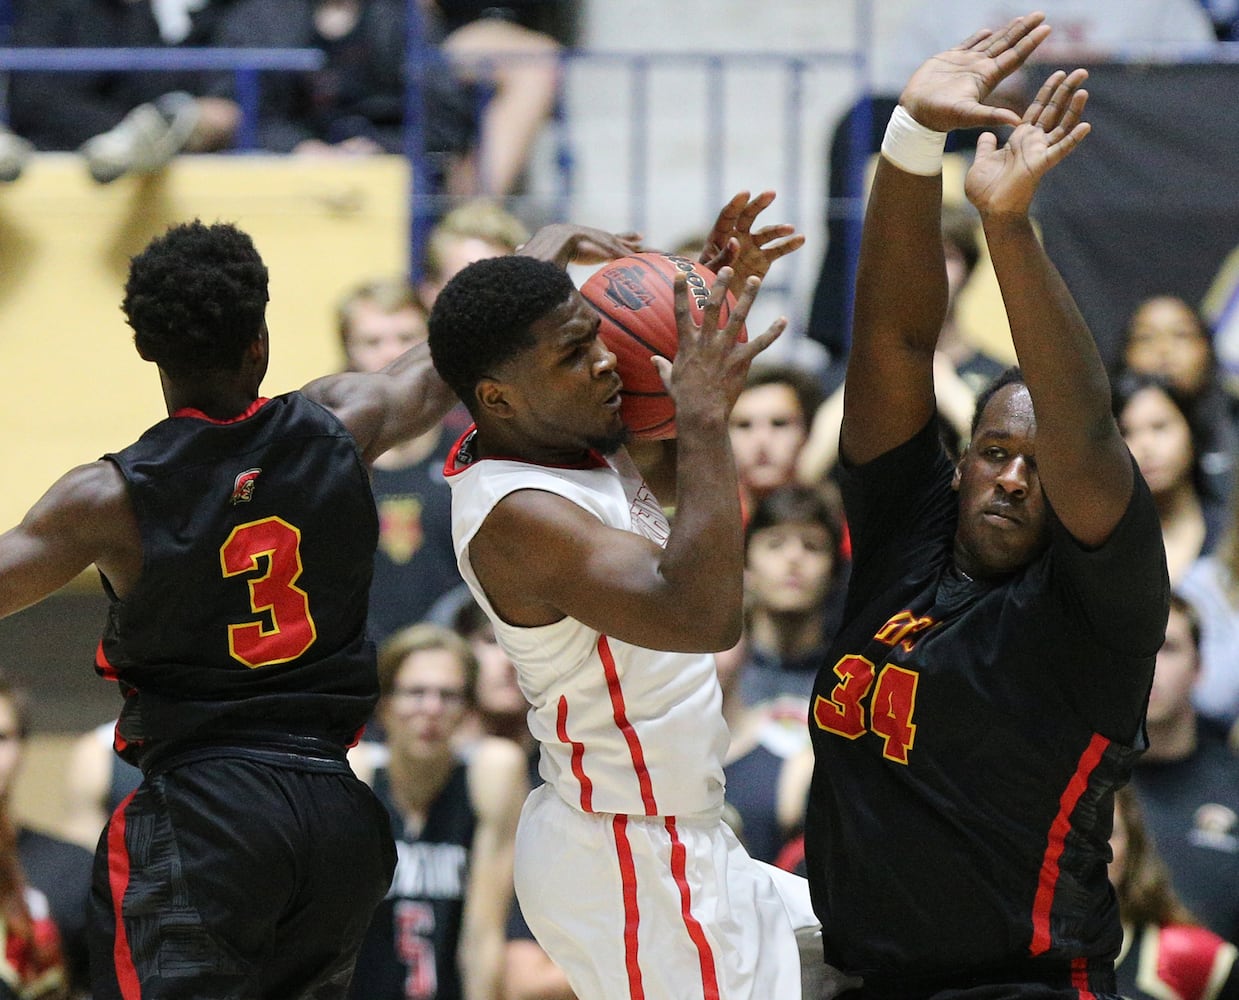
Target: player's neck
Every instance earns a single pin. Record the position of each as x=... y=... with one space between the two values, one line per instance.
x=417 y=781
x=786 y=634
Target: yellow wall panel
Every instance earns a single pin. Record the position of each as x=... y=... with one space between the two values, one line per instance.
x=71 y=384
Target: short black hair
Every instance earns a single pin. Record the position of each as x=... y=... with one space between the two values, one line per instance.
x=482 y=317
x=196 y=298
x=797 y=503
x=1008 y=376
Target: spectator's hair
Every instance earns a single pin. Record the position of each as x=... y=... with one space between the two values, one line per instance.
x=389 y=295
x=482 y=317
x=959 y=228
x=196 y=298
x=420 y=638
x=477 y=219
x=1008 y=376
x=796 y=503
x=1129 y=384
x=1144 y=889
x=806 y=388
x=469 y=619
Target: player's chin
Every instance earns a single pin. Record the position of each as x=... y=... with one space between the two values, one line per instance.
x=611 y=440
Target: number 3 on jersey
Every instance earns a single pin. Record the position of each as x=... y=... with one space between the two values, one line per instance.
x=890 y=709
x=274 y=545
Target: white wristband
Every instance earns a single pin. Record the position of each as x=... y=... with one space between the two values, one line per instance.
x=911 y=146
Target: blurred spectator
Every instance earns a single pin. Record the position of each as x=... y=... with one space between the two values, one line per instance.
x=44 y=884
x=1159 y=425
x=473 y=230
x=121 y=121
x=1188 y=783
x=794 y=581
x=439 y=934
x=769 y=426
x=1165 y=951
x=1224 y=15
x=1165 y=336
x=356 y=104
x=415 y=563
x=97 y=782
x=1211 y=585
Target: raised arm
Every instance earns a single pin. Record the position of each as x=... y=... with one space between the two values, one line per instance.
x=733 y=242
x=1083 y=463
x=901 y=287
x=684 y=597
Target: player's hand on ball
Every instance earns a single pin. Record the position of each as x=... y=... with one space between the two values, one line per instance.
x=712 y=361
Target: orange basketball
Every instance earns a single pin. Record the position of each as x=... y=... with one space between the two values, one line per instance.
x=636 y=298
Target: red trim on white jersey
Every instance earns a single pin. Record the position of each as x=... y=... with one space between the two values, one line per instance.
x=620 y=713
x=578 y=757
x=632 y=916
x=709 y=977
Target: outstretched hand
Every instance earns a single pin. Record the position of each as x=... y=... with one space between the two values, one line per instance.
x=732 y=242
x=947 y=91
x=711 y=361
x=1003 y=181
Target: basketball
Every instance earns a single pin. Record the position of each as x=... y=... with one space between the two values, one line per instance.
x=636 y=298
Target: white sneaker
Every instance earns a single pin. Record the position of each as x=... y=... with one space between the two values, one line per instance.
x=144 y=141
x=15 y=152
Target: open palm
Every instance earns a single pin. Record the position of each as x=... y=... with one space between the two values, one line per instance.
x=946 y=92
x=1004 y=180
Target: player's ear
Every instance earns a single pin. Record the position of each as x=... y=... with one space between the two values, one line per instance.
x=958 y=473
x=493 y=397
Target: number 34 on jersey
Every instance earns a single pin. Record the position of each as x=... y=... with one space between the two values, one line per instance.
x=883 y=704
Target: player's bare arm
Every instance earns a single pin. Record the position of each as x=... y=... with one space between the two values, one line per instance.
x=84 y=518
x=1084 y=465
x=901 y=287
x=565 y=243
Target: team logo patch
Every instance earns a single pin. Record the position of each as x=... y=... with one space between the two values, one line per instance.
x=400 y=527
x=243 y=486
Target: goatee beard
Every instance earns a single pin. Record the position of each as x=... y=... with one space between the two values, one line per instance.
x=610 y=443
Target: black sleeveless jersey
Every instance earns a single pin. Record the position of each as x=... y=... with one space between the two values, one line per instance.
x=410 y=949
x=969 y=737
x=247 y=623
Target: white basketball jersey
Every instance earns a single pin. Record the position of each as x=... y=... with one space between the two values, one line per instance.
x=623 y=729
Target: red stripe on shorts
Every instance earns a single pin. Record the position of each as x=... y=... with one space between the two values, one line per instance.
x=1079 y=978
x=1048 y=879
x=709 y=978
x=118 y=879
x=632 y=917
x=620 y=712
x=578 y=756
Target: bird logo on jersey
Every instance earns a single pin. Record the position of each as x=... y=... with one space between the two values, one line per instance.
x=243 y=486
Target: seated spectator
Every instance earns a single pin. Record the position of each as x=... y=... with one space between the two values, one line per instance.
x=355 y=105
x=415 y=563
x=1167 y=337
x=1211 y=585
x=769 y=426
x=1166 y=953
x=441 y=927
x=122 y=122
x=473 y=230
x=44 y=884
x=1159 y=426
x=794 y=579
x=1188 y=783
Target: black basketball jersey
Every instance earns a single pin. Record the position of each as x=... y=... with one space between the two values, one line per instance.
x=247 y=623
x=969 y=737
x=410 y=949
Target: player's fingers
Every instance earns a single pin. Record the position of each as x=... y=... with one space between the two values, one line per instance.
x=726 y=221
x=768 y=233
x=683 y=317
x=1059 y=151
x=740 y=310
x=782 y=249
x=663 y=367
x=1044 y=93
x=752 y=210
x=756 y=345
x=974 y=40
x=714 y=302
